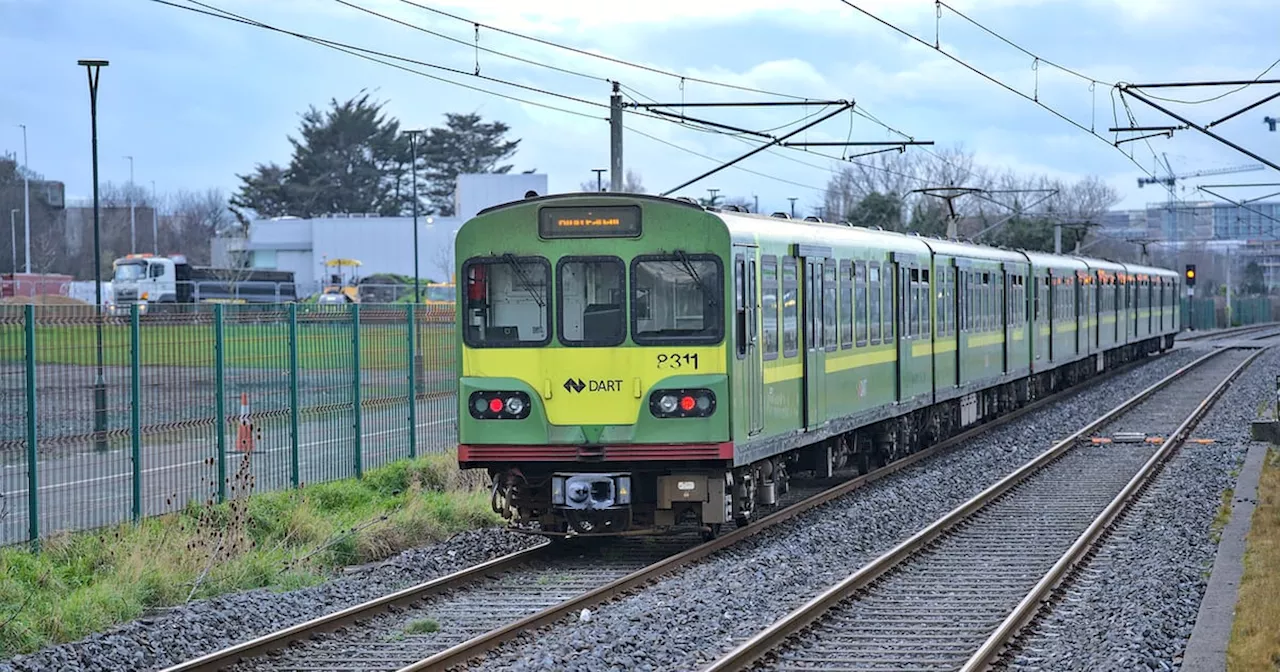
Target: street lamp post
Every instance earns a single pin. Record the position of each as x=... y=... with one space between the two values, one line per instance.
x=599 y=178
x=413 y=169
x=133 y=222
x=94 y=69
x=26 y=203
x=155 y=221
x=13 y=240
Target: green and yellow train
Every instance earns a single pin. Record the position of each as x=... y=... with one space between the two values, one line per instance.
x=633 y=364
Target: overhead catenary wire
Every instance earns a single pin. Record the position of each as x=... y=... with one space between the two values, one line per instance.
x=605 y=57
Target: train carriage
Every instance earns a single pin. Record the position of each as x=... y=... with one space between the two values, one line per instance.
x=631 y=364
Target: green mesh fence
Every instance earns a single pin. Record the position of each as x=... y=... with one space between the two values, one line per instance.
x=142 y=414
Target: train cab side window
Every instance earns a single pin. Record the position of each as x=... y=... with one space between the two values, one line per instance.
x=847 y=317
x=860 y=303
x=790 y=319
x=873 y=285
x=769 y=305
x=507 y=302
x=740 y=305
x=592 y=301
x=677 y=299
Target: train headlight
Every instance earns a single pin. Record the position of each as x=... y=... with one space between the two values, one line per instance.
x=695 y=403
x=498 y=405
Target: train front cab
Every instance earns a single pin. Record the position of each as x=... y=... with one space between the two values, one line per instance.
x=594 y=366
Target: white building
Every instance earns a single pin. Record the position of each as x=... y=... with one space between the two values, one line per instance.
x=381 y=244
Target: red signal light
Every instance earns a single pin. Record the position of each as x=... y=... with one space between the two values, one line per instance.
x=495 y=405
x=687 y=403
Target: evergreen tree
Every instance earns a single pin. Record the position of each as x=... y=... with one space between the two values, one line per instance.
x=463 y=145
x=346 y=159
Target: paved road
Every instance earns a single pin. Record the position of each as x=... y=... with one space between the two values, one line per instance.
x=82 y=490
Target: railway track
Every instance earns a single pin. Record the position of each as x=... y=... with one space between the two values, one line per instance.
x=955 y=594
x=1232 y=332
x=547 y=587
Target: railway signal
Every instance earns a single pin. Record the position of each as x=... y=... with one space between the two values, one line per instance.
x=1191 y=275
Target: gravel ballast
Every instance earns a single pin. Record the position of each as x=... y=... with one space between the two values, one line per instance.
x=685 y=620
x=1134 y=604
x=193 y=630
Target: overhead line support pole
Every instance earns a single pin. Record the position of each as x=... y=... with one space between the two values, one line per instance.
x=615 y=139
x=844 y=105
x=1190 y=124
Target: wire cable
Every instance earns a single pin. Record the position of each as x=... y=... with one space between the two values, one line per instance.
x=606 y=57
x=1220 y=96
x=378 y=56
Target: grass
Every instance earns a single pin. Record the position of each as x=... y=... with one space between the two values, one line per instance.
x=422 y=626
x=1255 y=635
x=87 y=582
x=1223 y=516
x=247 y=345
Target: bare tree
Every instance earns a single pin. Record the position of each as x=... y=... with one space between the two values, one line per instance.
x=631 y=184
x=897 y=175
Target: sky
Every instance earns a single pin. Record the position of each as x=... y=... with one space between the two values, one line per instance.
x=197 y=100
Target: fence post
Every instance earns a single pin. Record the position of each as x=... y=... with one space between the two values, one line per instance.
x=359 y=411
x=413 y=381
x=294 y=470
x=135 y=408
x=33 y=480
x=220 y=389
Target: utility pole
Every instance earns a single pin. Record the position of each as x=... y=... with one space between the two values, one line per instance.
x=713 y=193
x=615 y=139
x=26 y=202
x=94 y=69
x=1057 y=237
x=155 y=221
x=133 y=224
x=599 y=180
x=413 y=169
x=757 y=199
x=793 y=206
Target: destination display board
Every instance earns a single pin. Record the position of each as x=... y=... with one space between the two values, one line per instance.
x=612 y=221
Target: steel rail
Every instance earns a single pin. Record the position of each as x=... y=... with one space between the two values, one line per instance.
x=487 y=641
x=765 y=641
x=219 y=660
x=1030 y=605
x=481 y=644
x=1229 y=332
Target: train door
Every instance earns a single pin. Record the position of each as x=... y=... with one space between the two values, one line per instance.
x=749 y=385
x=907 y=317
x=814 y=353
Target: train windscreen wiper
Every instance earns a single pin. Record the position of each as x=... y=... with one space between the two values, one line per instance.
x=524 y=279
x=693 y=273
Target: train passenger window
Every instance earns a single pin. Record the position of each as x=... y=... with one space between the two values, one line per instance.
x=926 y=307
x=860 y=303
x=913 y=303
x=507 y=302
x=938 y=294
x=676 y=299
x=769 y=305
x=873 y=284
x=591 y=301
x=886 y=305
x=966 y=304
x=847 y=317
x=790 y=319
x=830 y=291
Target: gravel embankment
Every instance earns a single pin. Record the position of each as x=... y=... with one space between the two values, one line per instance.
x=1133 y=606
x=194 y=630
x=683 y=621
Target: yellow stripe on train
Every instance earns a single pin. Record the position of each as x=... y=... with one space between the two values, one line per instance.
x=592 y=386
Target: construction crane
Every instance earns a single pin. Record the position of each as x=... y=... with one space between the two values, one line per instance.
x=1170 y=179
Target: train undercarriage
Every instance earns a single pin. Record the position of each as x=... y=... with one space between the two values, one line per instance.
x=605 y=498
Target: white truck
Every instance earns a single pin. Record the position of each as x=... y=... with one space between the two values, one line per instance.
x=149 y=280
